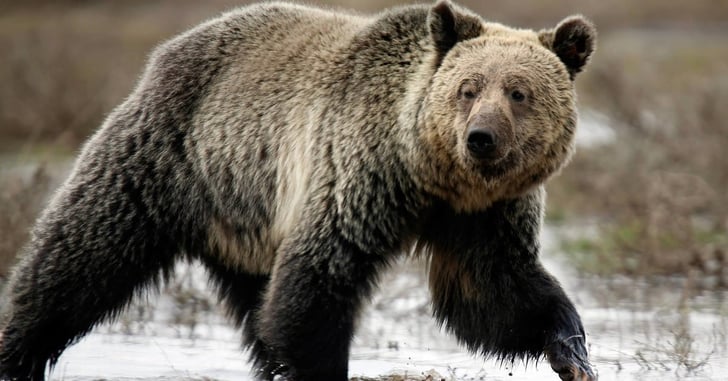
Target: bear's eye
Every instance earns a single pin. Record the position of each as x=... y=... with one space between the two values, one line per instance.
x=517 y=96
x=468 y=91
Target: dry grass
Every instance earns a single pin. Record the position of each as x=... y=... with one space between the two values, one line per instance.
x=660 y=188
x=676 y=347
x=65 y=65
x=426 y=376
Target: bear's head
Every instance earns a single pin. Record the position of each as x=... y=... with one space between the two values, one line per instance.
x=500 y=113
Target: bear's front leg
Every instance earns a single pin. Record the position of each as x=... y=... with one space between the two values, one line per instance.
x=489 y=288
x=315 y=293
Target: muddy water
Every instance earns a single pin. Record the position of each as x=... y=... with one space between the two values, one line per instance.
x=637 y=331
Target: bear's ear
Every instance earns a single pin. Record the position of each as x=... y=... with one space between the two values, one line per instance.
x=573 y=40
x=448 y=26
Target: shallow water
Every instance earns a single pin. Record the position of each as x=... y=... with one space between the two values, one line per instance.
x=636 y=331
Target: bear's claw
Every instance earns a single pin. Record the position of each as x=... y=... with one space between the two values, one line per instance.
x=575 y=373
x=569 y=363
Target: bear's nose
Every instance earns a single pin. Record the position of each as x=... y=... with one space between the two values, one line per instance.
x=481 y=142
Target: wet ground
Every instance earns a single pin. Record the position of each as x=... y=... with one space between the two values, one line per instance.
x=636 y=330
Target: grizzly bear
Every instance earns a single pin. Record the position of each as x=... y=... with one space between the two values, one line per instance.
x=296 y=152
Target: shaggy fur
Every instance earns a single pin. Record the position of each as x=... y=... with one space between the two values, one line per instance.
x=296 y=152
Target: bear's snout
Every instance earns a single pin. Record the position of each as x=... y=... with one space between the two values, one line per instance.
x=481 y=142
x=489 y=137
x=489 y=133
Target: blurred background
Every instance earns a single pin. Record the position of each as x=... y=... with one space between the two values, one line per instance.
x=641 y=210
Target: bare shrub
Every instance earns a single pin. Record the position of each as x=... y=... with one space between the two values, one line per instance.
x=678 y=351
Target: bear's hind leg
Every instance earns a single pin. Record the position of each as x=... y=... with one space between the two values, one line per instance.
x=91 y=250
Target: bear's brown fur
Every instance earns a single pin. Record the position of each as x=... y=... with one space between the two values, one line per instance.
x=296 y=152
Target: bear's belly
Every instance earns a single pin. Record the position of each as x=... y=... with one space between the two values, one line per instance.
x=245 y=251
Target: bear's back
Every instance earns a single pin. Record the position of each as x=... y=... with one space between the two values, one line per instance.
x=277 y=32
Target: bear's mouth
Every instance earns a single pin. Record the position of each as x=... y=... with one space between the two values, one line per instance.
x=498 y=168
